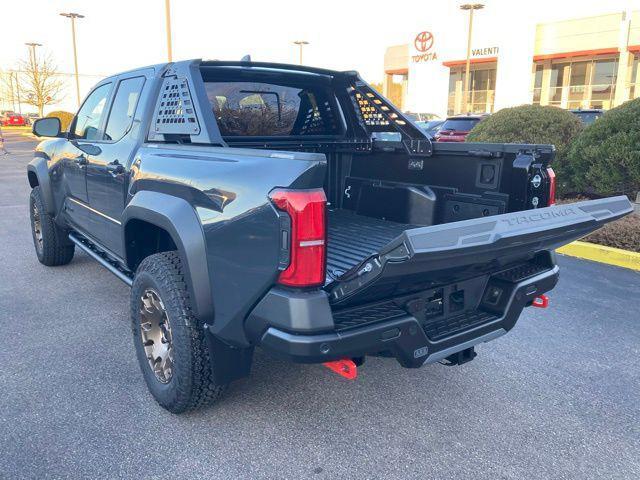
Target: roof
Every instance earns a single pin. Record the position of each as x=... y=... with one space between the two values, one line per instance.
x=478 y=116
x=241 y=64
x=274 y=66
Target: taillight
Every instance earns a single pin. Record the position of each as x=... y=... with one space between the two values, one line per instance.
x=307 y=244
x=552 y=186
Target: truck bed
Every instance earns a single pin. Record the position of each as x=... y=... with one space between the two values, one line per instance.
x=353 y=238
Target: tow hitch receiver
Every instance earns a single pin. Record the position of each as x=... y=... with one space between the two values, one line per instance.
x=461 y=357
x=541 y=301
x=344 y=367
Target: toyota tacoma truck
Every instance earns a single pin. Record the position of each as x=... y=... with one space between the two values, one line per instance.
x=294 y=209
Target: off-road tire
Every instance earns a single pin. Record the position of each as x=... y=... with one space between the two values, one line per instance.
x=191 y=384
x=53 y=248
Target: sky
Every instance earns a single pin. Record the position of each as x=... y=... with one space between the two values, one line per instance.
x=118 y=35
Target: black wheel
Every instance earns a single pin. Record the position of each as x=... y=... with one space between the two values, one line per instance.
x=53 y=248
x=169 y=340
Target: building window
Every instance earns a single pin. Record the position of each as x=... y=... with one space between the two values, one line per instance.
x=577 y=84
x=456 y=87
x=585 y=83
x=558 y=77
x=634 y=85
x=481 y=89
x=603 y=83
x=537 y=84
x=398 y=89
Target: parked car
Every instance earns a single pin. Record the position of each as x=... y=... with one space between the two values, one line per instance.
x=422 y=117
x=12 y=119
x=430 y=127
x=31 y=117
x=456 y=129
x=588 y=116
x=286 y=227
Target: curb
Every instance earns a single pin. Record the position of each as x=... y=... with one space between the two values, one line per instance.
x=602 y=254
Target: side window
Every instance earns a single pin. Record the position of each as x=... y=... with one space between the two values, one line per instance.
x=124 y=107
x=90 y=114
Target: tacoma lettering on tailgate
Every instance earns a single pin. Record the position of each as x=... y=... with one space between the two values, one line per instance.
x=540 y=216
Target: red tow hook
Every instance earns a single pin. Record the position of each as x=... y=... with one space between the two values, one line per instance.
x=541 y=301
x=344 y=367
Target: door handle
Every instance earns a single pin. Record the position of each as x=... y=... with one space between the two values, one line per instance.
x=115 y=167
x=81 y=160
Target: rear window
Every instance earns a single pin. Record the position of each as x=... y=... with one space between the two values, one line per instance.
x=265 y=110
x=461 y=124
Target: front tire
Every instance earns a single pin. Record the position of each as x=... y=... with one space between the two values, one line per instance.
x=52 y=246
x=169 y=341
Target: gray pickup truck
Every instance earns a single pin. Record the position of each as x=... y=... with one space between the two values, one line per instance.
x=295 y=209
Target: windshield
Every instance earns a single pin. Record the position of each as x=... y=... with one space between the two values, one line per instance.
x=460 y=124
x=588 y=117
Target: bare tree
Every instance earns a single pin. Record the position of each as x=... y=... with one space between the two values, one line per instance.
x=40 y=82
x=8 y=90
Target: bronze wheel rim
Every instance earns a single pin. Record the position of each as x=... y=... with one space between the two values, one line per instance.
x=37 y=226
x=155 y=333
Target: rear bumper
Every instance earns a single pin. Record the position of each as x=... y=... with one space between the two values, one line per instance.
x=403 y=336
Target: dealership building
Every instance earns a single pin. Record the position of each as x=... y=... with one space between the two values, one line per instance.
x=577 y=63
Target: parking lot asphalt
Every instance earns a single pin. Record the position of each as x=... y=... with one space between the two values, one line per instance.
x=558 y=397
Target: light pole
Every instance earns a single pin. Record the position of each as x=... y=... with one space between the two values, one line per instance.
x=301 y=43
x=13 y=99
x=73 y=17
x=167 y=15
x=32 y=52
x=467 y=80
x=34 y=64
x=17 y=80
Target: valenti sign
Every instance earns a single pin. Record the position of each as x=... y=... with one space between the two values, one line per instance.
x=425 y=51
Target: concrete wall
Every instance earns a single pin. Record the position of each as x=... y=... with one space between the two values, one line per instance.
x=580 y=34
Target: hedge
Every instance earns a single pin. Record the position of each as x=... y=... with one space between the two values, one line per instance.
x=532 y=124
x=605 y=157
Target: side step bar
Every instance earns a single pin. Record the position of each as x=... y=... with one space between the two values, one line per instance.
x=99 y=256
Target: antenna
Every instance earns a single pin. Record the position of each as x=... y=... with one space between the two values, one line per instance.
x=246 y=58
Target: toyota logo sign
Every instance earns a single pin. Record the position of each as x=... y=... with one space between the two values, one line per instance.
x=423 y=41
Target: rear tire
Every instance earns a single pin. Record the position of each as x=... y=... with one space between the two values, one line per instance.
x=52 y=246
x=170 y=342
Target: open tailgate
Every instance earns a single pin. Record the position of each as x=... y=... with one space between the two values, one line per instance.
x=454 y=251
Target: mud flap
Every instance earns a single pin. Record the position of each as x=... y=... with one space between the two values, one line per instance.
x=228 y=363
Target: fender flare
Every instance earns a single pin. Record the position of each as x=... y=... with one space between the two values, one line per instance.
x=38 y=167
x=179 y=219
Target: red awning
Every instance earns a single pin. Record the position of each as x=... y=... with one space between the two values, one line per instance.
x=397 y=71
x=578 y=53
x=457 y=63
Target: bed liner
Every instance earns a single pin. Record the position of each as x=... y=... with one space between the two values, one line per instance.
x=353 y=238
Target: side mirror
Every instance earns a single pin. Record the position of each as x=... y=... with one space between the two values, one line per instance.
x=47 y=127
